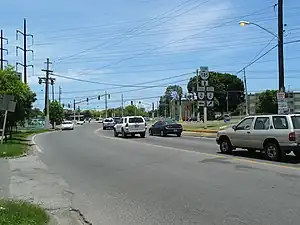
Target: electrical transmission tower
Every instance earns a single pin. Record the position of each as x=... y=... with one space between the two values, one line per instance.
x=2 y=49
x=24 y=49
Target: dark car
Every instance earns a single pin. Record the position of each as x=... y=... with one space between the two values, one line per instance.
x=165 y=127
x=117 y=119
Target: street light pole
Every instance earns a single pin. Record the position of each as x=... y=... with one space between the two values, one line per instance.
x=280 y=46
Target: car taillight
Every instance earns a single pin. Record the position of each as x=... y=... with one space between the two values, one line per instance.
x=126 y=125
x=292 y=136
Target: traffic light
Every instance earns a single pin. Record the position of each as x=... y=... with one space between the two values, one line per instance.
x=87 y=99
x=108 y=96
x=99 y=97
x=69 y=106
x=63 y=105
x=40 y=81
x=131 y=102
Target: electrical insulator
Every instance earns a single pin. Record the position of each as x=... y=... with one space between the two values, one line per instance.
x=99 y=97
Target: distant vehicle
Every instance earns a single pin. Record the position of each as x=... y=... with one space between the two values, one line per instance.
x=117 y=119
x=100 y=120
x=275 y=135
x=67 y=125
x=131 y=125
x=80 y=122
x=164 y=127
x=108 y=123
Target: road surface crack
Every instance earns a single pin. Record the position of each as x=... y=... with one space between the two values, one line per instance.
x=82 y=217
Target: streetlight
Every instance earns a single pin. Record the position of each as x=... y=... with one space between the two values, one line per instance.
x=244 y=23
x=279 y=38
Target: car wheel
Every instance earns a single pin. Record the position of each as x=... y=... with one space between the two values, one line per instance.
x=178 y=134
x=272 y=151
x=116 y=133
x=104 y=128
x=163 y=133
x=124 y=135
x=225 y=146
x=150 y=132
x=143 y=134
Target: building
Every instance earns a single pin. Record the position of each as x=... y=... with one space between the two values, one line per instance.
x=292 y=98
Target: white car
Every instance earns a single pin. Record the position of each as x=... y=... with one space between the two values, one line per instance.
x=131 y=125
x=108 y=123
x=80 y=122
x=67 y=125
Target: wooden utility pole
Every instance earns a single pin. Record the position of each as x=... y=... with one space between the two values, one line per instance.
x=46 y=81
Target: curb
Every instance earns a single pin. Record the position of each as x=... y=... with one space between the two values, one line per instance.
x=201 y=131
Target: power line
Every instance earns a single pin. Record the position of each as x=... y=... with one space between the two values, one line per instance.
x=128 y=32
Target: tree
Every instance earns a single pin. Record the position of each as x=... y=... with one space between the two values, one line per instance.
x=11 y=84
x=35 y=112
x=87 y=114
x=223 y=83
x=267 y=102
x=56 y=113
x=165 y=100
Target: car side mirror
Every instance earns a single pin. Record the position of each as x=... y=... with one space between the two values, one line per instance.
x=234 y=127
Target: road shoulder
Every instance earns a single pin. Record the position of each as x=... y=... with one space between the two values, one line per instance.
x=31 y=181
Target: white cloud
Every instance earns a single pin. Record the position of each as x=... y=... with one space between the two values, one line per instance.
x=194 y=23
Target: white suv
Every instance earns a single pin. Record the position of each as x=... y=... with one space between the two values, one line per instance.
x=108 y=123
x=131 y=125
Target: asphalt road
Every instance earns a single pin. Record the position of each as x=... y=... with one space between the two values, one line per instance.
x=169 y=180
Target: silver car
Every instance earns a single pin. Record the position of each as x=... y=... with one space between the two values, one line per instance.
x=275 y=135
x=108 y=123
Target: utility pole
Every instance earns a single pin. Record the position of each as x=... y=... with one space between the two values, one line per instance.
x=24 y=49
x=152 y=110
x=197 y=80
x=122 y=99
x=105 y=104
x=74 y=111
x=280 y=46
x=59 y=94
x=2 y=49
x=246 y=93
x=46 y=80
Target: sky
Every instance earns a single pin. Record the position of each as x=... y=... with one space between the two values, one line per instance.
x=138 y=47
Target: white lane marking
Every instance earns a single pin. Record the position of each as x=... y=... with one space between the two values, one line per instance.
x=237 y=159
x=36 y=146
x=160 y=146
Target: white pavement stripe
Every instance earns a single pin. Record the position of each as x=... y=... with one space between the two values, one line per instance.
x=36 y=146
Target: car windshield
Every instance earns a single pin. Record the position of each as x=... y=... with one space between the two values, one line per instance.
x=136 y=120
x=67 y=122
x=296 y=122
x=170 y=122
x=108 y=120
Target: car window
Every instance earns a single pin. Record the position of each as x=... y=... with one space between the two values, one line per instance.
x=262 y=123
x=108 y=120
x=136 y=120
x=280 y=122
x=158 y=123
x=296 y=122
x=67 y=122
x=170 y=122
x=245 y=124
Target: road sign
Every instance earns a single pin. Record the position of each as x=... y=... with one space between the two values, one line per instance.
x=204 y=75
x=280 y=96
x=210 y=103
x=201 y=89
x=204 y=83
x=210 y=95
x=210 y=89
x=201 y=95
x=201 y=103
